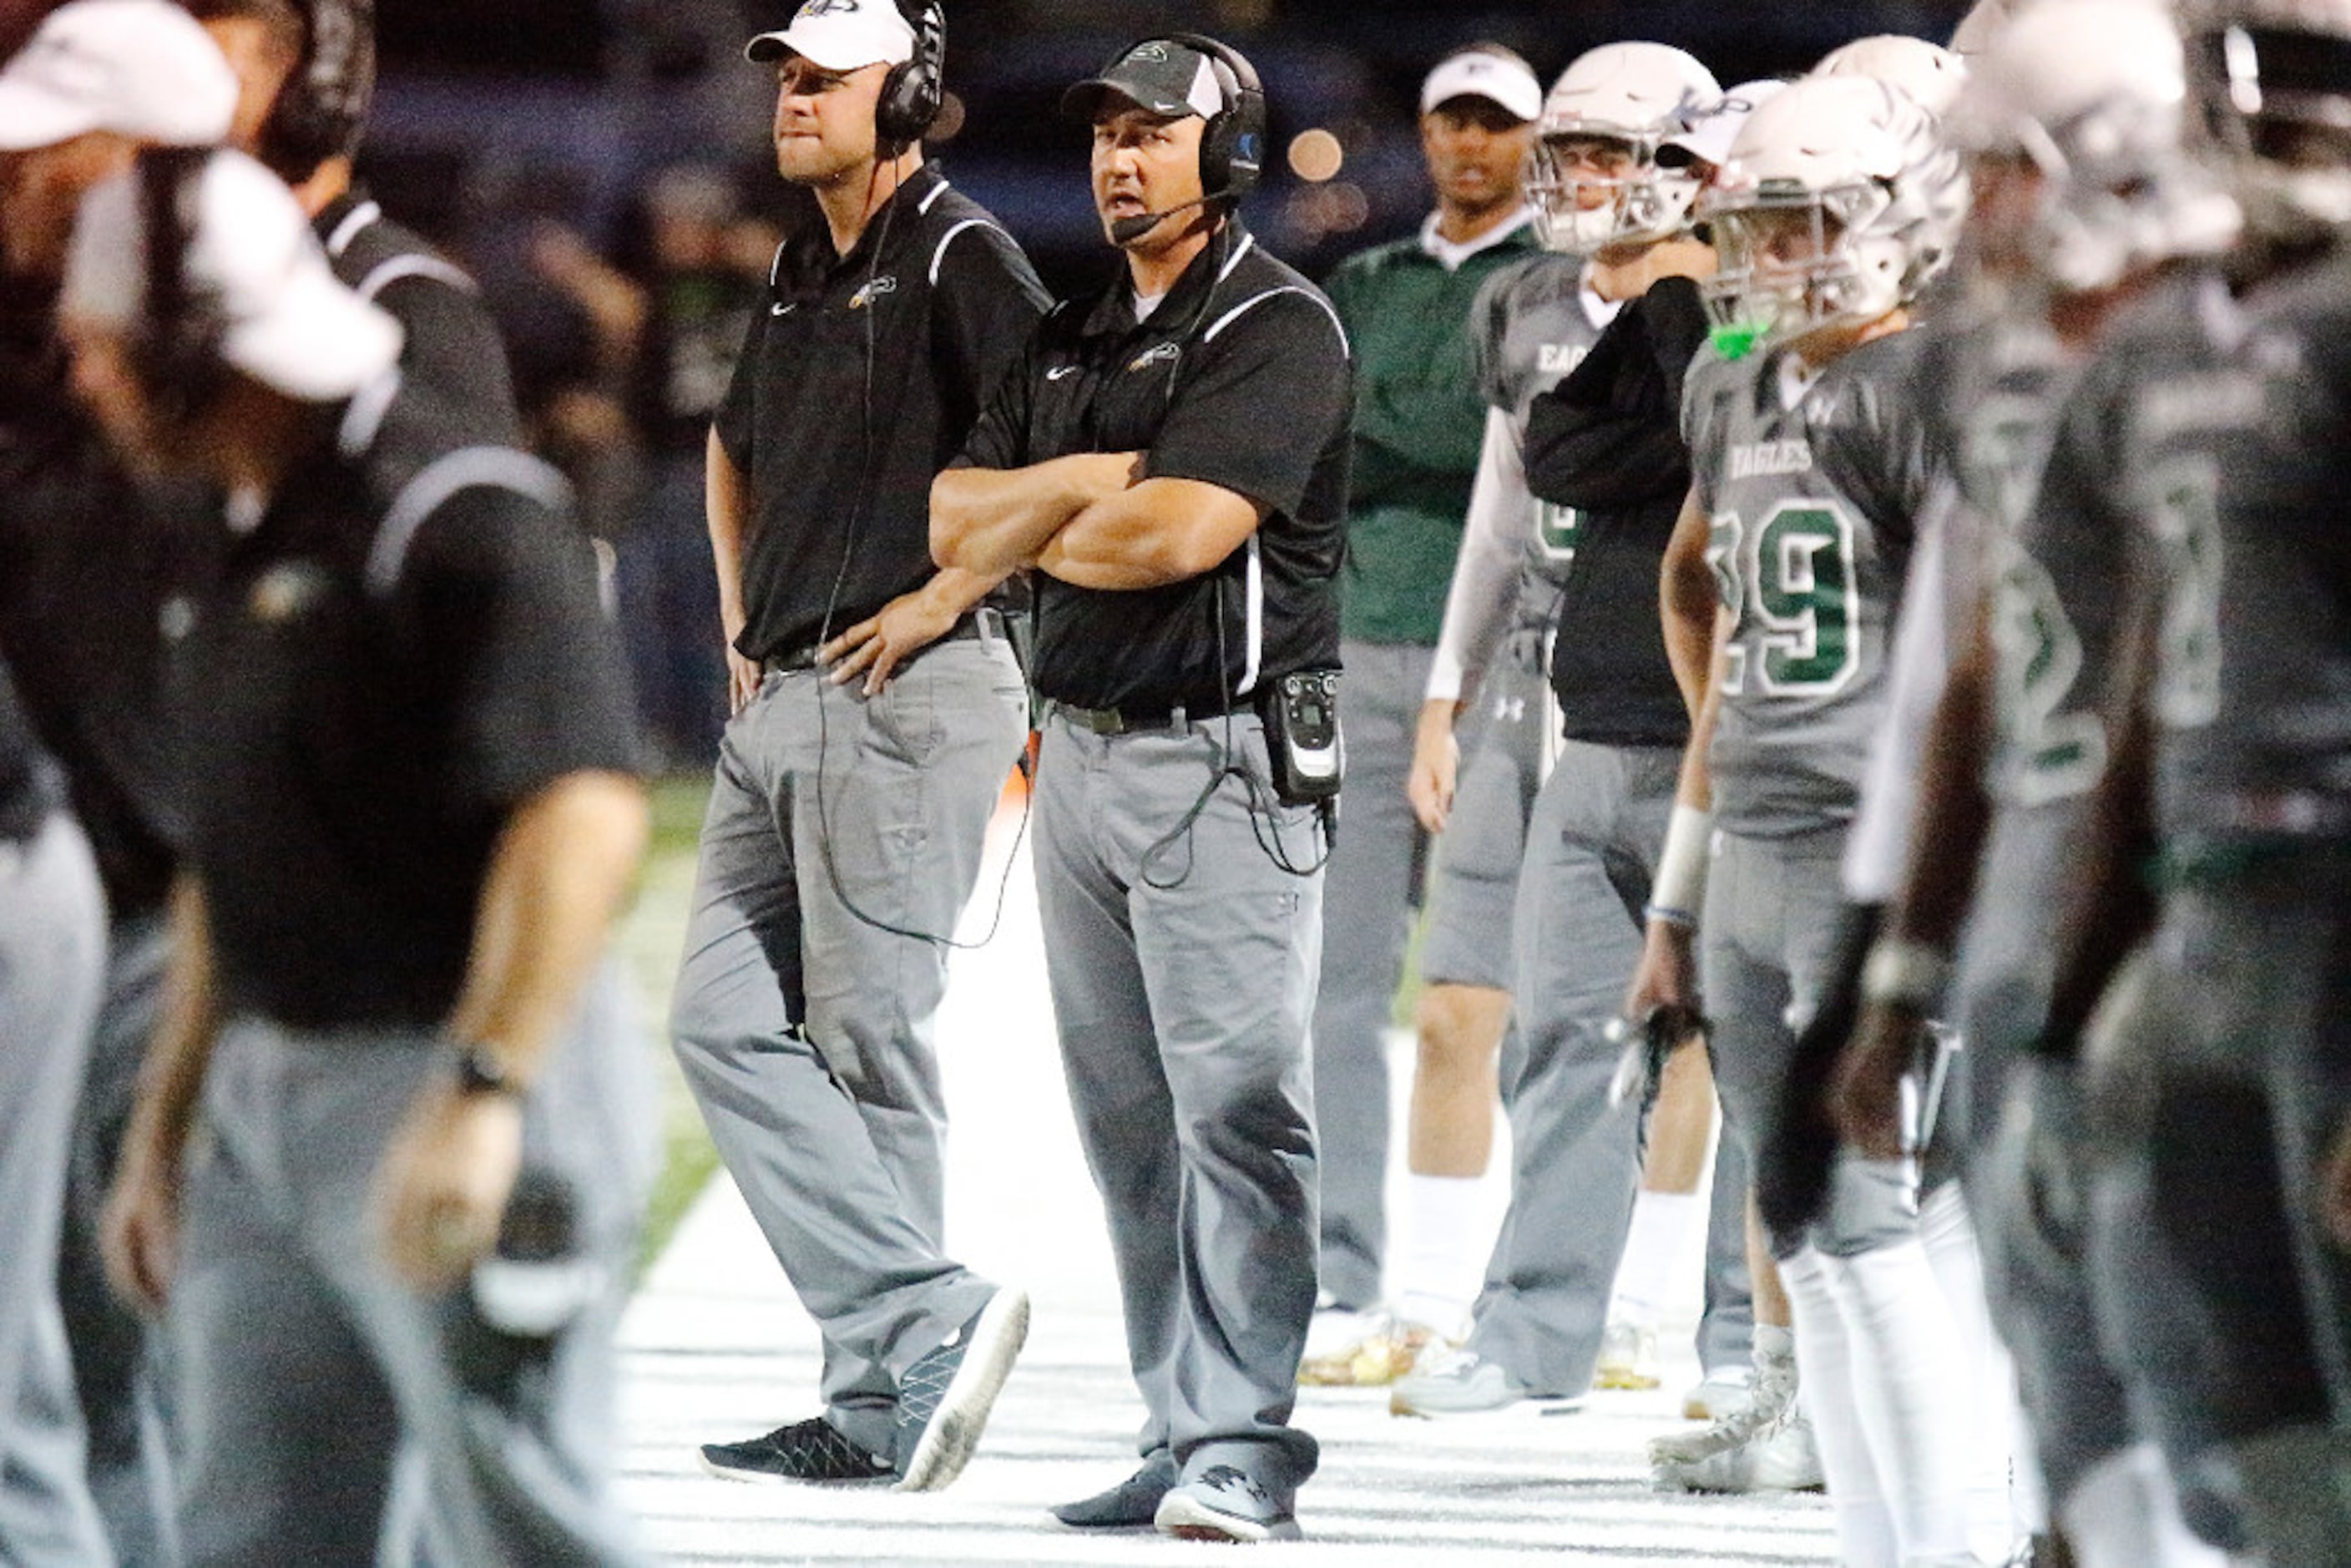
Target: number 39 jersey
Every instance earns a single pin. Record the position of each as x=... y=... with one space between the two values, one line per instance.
x=1811 y=486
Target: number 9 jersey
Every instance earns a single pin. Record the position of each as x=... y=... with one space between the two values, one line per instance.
x=1812 y=482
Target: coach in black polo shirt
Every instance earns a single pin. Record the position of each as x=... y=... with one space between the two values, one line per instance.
x=878 y=713
x=409 y=766
x=1171 y=457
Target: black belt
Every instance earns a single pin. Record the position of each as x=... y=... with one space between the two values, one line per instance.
x=983 y=623
x=1135 y=720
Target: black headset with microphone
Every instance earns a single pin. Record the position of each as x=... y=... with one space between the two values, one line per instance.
x=915 y=90
x=1232 y=143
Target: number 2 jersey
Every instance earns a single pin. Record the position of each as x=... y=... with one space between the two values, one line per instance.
x=1812 y=482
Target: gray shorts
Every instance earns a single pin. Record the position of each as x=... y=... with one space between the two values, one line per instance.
x=1766 y=943
x=1473 y=881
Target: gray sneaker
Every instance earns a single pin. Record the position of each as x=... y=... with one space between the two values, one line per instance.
x=1770 y=1392
x=1778 y=1456
x=944 y=1397
x=1222 y=1503
x=1450 y=1381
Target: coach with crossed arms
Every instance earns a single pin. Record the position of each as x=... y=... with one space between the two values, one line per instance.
x=1171 y=458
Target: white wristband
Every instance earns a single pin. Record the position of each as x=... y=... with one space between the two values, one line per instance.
x=1908 y=975
x=1679 y=890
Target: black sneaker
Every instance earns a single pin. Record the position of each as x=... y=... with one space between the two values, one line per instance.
x=1223 y=1503
x=944 y=1398
x=1133 y=1504
x=810 y=1451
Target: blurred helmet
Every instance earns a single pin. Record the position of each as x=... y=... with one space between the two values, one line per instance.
x=2094 y=94
x=1980 y=27
x=1839 y=204
x=2269 y=87
x=1594 y=181
x=1930 y=73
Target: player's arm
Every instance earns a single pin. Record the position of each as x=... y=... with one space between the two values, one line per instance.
x=1922 y=925
x=560 y=869
x=727 y=504
x=1001 y=519
x=1476 y=615
x=140 y=1232
x=1161 y=532
x=1690 y=603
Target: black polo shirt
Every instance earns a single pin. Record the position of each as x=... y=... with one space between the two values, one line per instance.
x=88 y=561
x=860 y=379
x=404 y=647
x=1240 y=377
x=453 y=344
x=1608 y=441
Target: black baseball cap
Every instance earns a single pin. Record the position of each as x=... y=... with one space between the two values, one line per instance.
x=1159 y=76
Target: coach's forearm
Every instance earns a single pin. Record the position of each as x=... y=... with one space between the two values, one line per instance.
x=172 y=1075
x=556 y=878
x=1690 y=605
x=999 y=519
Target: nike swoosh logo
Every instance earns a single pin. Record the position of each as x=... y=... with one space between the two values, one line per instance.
x=1058 y=372
x=783 y=310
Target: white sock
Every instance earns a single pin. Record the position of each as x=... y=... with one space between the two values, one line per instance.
x=1909 y=1391
x=1661 y=1221
x=1444 y=1257
x=1865 y=1523
x=2124 y=1514
x=1996 y=1520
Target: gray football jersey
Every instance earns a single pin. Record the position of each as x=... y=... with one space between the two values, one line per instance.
x=1532 y=328
x=2238 y=465
x=1813 y=504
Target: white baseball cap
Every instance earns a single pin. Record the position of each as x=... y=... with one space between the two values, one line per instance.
x=1715 y=125
x=143 y=68
x=841 y=35
x=287 y=321
x=1482 y=73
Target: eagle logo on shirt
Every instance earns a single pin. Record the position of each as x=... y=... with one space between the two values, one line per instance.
x=874 y=289
x=1161 y=354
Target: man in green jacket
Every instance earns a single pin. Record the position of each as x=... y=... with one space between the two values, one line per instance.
x=1418 y=423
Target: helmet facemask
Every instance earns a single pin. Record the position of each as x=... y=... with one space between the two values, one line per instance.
x=2272 y=114
x=1791 y=262
x=1594 y=186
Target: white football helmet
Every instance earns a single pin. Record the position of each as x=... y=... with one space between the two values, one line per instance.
x=1928 y=72
x=2094 y=94
x=1622 y=100
x=2270 y=85
x=1980 y=25
x=1840 y=202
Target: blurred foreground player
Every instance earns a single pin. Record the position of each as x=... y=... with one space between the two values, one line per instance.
x=389 y=1141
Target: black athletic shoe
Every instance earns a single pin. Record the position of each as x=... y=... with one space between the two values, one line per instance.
x=810 y=1451
x=944 y=1398
x=1132 y=1504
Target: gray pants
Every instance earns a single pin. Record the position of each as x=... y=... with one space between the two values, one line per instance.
x=1473 y=874
x=1771 y=915
x=52 y=955
x=1182 y=960
x=805 y=1031
x=1591 y=849
x=303 y=1366
x=116 y=1378
x=1370 y=883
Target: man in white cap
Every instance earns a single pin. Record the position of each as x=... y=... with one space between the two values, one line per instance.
x=878 y=711
x=85 y=570
x=1417 y=422
x=413 y=812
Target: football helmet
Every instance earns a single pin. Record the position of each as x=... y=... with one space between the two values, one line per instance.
x=2093 y=94
x=1930 y=73
x=2269 y=88
x=1840 y=202
x=1594 y=181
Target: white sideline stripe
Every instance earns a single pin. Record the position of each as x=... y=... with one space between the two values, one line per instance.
x=444 y=477
x=401 y=266
x=355 y=220
x=1229 y=317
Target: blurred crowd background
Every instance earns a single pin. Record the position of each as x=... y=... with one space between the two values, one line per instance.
x=602 y=167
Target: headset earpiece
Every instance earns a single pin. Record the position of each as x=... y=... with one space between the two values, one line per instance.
x=914 y=90
x=323 y=106
x=1232 y=146
x=176 y=349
